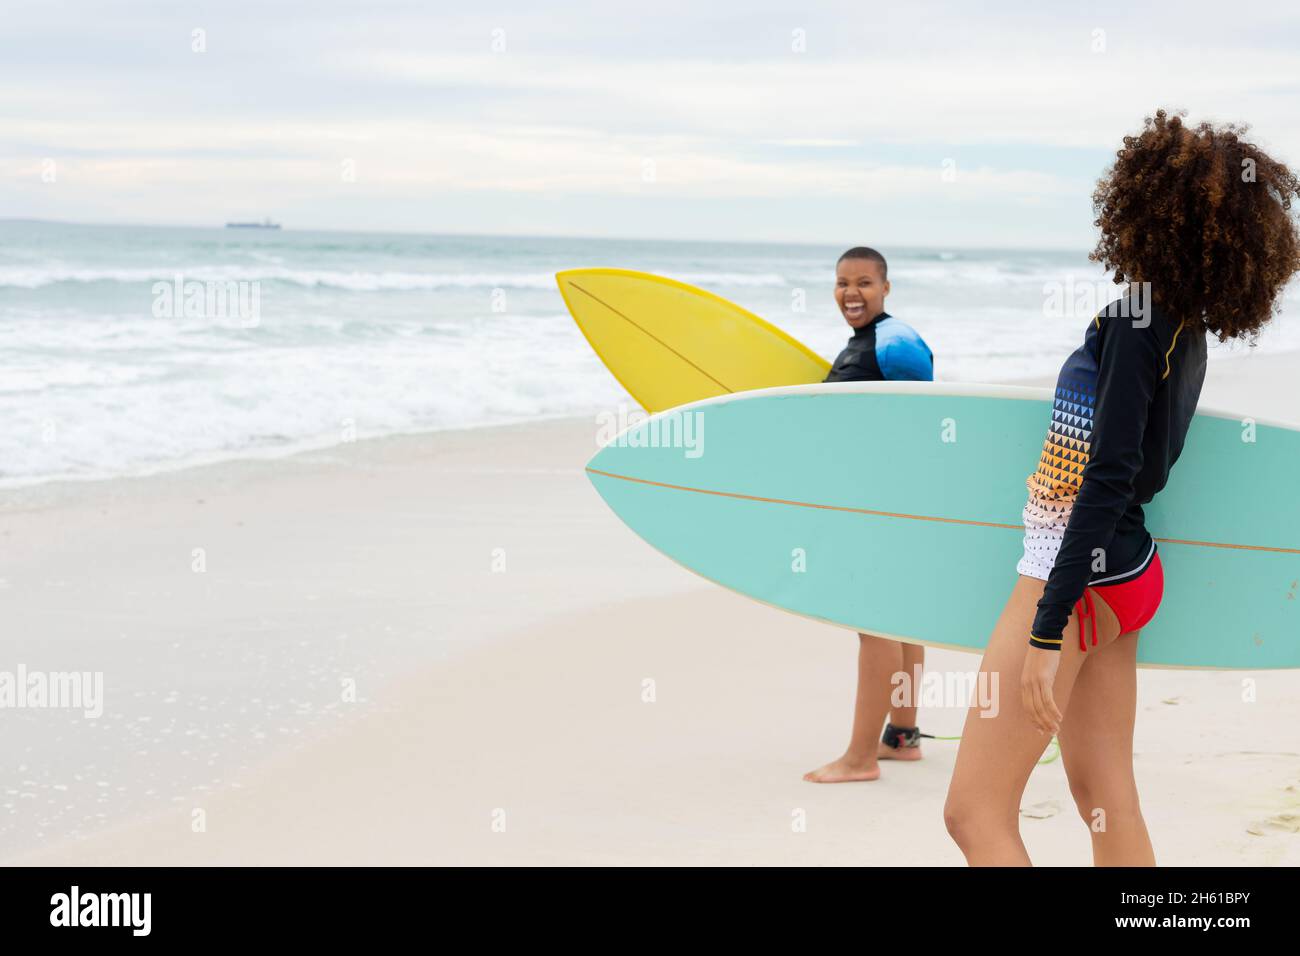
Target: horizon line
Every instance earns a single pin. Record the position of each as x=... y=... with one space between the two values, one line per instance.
x=524 y=235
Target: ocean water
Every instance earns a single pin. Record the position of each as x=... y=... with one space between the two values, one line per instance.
x=125 y=350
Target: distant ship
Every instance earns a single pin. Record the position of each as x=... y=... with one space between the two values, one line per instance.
x=264 y=224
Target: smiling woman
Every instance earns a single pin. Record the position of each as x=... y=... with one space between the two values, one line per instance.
x=882 y=348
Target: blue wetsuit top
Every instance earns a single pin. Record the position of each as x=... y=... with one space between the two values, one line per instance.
x=884 y=349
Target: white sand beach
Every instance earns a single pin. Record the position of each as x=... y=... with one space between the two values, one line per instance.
x=499 y=623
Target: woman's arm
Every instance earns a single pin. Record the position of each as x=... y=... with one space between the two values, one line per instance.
x=1130 y=367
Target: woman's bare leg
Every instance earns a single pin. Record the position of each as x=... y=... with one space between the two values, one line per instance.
x=998 y=751
x=878 y=660
x=913 y=666
x=1097 y=750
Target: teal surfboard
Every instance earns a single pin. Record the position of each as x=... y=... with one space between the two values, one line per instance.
x=895 y=508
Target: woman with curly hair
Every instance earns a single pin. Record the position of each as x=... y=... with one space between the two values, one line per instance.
x=1197 y=221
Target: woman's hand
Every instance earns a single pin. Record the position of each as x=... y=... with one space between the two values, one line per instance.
x=1036 y=680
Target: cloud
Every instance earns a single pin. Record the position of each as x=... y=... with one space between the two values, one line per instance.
x=709 y=105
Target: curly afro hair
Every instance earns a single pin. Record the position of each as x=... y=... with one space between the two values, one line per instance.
x=1203 y=216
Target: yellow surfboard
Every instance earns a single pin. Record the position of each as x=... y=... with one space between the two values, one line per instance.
x=669 y=343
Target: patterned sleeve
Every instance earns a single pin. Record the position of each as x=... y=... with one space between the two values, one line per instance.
x=1130 y=367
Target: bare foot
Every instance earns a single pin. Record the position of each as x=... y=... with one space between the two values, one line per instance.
x=845 y=770
x=886 y=752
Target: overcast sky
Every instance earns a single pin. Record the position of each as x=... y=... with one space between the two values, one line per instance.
x=915 y=123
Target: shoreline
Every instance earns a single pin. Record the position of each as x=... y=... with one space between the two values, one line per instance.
x=307 y=448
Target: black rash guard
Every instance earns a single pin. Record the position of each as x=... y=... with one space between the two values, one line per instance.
x=885 y=349
x=1124 y=402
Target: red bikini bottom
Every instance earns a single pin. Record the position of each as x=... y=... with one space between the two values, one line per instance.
x=1134 y=602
